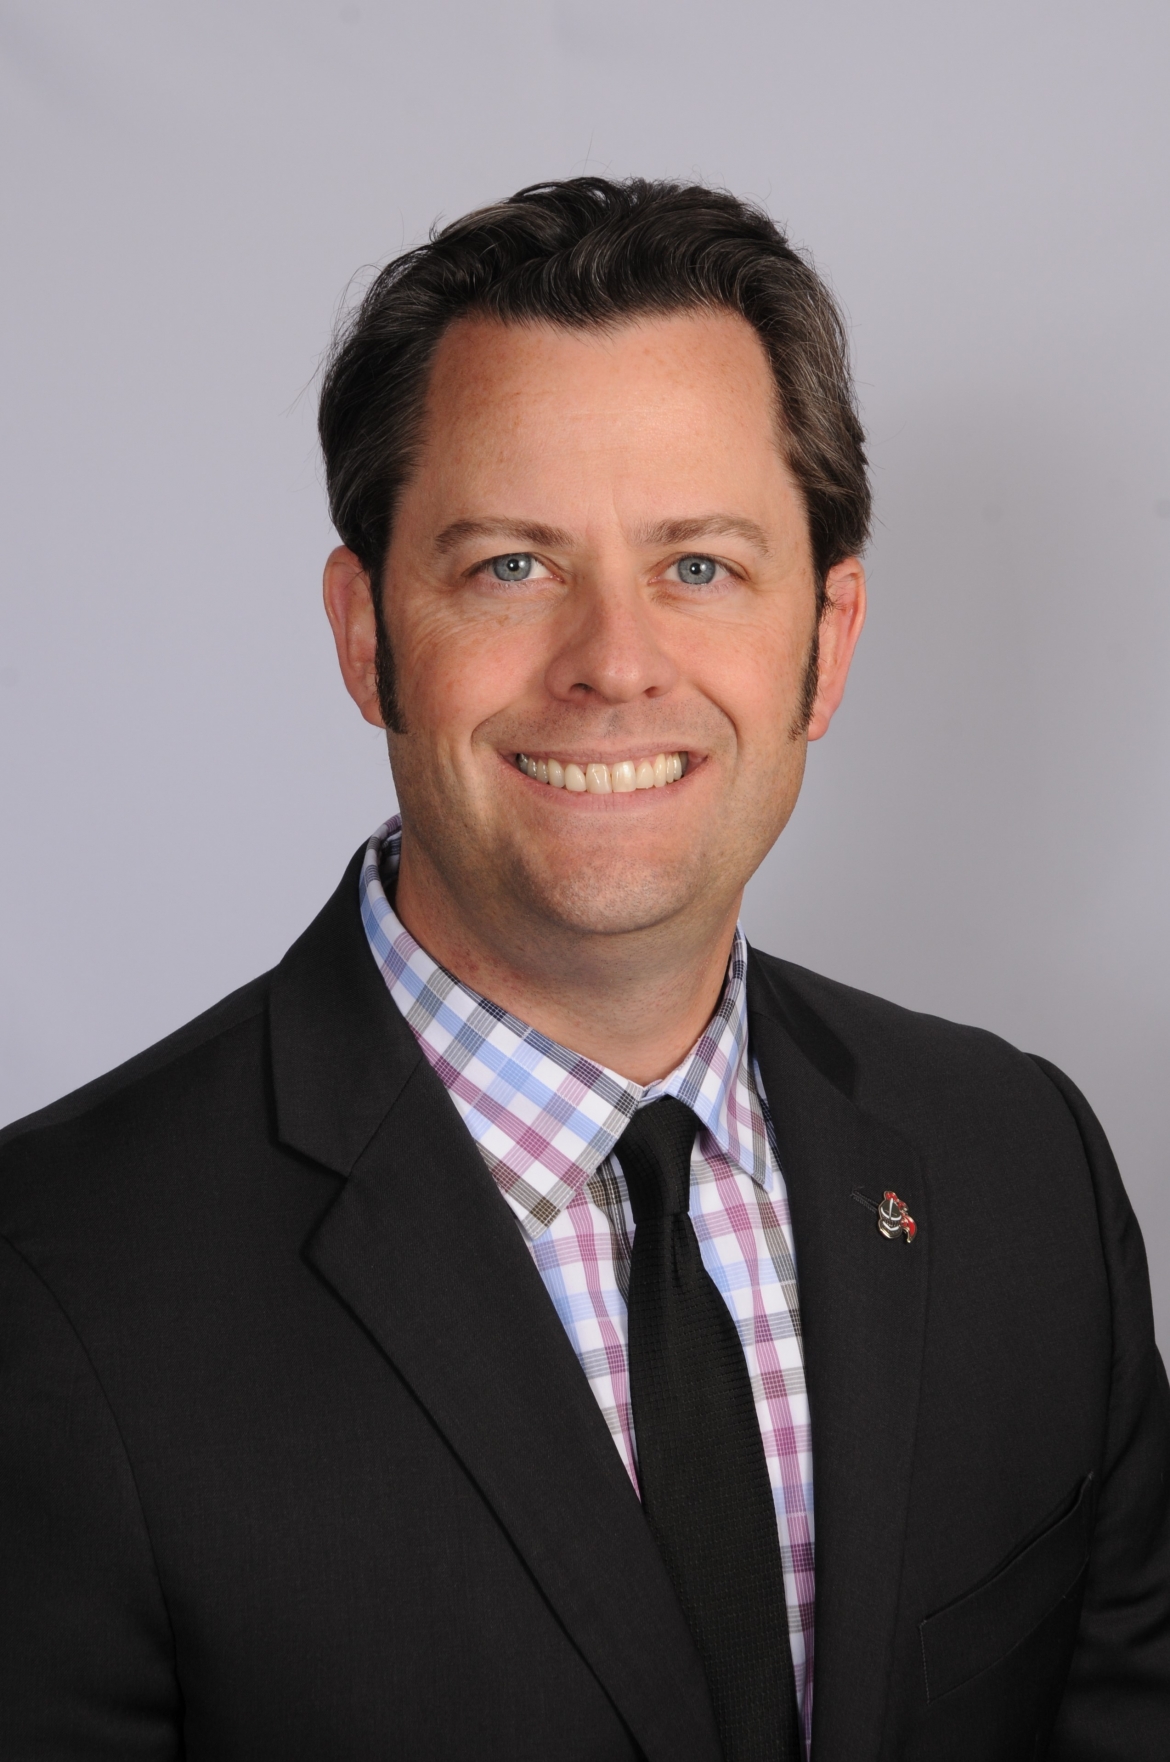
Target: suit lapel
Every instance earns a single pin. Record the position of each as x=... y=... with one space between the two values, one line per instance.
x=863 y=1312
x=424 y=1252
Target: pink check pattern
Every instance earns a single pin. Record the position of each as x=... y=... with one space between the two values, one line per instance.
x=546 y=1121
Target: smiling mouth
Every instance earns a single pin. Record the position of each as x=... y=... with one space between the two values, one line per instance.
x=620 y=778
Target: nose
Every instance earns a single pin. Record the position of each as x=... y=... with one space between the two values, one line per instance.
x=608 y=648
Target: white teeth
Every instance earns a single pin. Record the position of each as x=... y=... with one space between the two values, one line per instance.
x=621 y=778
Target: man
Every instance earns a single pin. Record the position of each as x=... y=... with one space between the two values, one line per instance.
x=528 y=1323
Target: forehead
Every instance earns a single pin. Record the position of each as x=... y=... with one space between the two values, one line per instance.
x=678 y=357
x=685 y=398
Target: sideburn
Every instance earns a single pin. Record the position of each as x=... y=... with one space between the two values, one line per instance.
x=808 y=695
x=385 y=672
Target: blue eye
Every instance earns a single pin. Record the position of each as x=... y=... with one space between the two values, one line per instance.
x=516 y=566
x=696 y=571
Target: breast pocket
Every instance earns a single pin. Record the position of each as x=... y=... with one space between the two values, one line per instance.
x=990 y=1621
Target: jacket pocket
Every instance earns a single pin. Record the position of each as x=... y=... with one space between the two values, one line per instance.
x=980 y=1628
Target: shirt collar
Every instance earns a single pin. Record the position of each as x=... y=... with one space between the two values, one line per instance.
x=549 y=1116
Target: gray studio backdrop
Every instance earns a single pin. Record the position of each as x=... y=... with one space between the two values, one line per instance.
x=187 y=189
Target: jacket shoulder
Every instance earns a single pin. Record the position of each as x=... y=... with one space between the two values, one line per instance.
x=882 y=1051
x=231 y=1012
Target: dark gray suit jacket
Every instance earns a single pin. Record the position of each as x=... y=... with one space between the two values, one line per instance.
x=296 y=1460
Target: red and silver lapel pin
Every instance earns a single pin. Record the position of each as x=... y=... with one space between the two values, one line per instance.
x=893 y=1218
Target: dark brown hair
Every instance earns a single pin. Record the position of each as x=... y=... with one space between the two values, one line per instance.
x=590 y=252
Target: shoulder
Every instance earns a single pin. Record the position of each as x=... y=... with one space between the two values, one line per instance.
x=919 y=1072
x=155 y=1099
x=875 y=1031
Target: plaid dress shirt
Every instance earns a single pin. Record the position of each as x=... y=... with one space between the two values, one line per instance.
x=546 y=1121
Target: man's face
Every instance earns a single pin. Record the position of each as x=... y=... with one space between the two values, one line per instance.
x=601 y=558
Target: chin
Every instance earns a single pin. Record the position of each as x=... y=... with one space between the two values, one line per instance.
x=608 y=897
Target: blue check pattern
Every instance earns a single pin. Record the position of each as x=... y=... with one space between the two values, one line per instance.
x=547 y=1120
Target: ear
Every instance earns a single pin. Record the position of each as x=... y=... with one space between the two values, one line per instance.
x=349 y=605
x=840 y=627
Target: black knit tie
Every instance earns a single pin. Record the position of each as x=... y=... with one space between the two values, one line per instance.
x=701 y=1464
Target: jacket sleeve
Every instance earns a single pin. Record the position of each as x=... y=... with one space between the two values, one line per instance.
x=86 y=1652
x=1116 y=1706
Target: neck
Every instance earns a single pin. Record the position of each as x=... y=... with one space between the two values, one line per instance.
x=634 y=1001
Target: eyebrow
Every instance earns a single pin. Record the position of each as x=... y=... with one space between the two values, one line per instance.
x=545 y=538
x=681 y=532
x=554 y=538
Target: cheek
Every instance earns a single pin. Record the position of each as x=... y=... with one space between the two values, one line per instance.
x=758 y=685
x=454 y=676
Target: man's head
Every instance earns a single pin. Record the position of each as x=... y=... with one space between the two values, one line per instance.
x=595 y=462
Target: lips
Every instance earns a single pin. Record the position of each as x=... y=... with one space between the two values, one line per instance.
x=620 y=777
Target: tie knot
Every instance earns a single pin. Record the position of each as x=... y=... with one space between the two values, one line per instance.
x=655 y=1154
